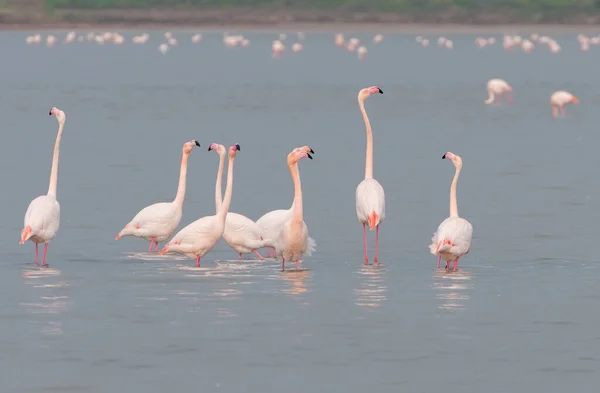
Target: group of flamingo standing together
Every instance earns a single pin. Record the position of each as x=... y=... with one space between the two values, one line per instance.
x=284 y=232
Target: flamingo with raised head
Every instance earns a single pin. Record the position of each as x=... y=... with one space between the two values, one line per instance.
x=199 y=237
x=241 y=233
x=559 y=100
x=453 y=237
x=370 y=198
x=496 y=89
x=157 y=222
x=42 y=217
x=292 y=241
x=272 y=222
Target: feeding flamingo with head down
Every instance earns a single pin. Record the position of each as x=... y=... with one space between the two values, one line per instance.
x=199 y=237
x=559 y=100
x=370 y=198
x=157 y=222
x=496 y=89
x=292 y=242
x=453 y=237
x=42 y=217
x=241 y=233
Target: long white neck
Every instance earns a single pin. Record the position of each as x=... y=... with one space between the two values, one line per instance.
x=294 y=201
x=297 y=205
x=54 y=170
x=491 y=96
x=218 y=196
x=453 y=202
x=228 y=191
x=369 y=158
x=182 y=179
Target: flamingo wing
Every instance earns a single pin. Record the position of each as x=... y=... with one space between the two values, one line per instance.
x=43 y=216
x=370 y=198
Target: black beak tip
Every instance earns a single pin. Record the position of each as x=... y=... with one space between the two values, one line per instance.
x=209 y=149
x=380 y=91
x=444 y=156
x=309 y=156
x=50 y=112
x=237 y=146
x=197 y=144
x=312 y=151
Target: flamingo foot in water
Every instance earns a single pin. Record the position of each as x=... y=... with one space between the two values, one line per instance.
x=455 y=264
x=36 y=255
x=365 y=243
x=44 y=256
x=376 y=260
x=197 y=261
x=156 y=244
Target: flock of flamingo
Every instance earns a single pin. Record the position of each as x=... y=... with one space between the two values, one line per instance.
x=283 y=231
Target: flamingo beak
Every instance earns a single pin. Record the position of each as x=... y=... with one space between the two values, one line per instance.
x=309 y=156
x=50 y=113
x=574 y=100
x=443 y=157
x=197 y=144
x=380 y=91
x=312 y=151
x=237 y=146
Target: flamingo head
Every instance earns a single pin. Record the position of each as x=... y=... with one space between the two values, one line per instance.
x=299 y=153
x=456 y=160
x=233 y=149
x=188 y=146
x=306 y=149
x=366 y=92
x=60 y=115
x=220 y=149
x=574 y=100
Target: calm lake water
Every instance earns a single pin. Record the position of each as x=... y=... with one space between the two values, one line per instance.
x=519 y=316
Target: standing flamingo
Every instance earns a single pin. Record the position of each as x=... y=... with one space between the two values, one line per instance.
x=370 y=198
x=158 y=221
x=559 y=99
x=199 y=237
x=42 y=218
x=453 y=237
x=293 y=241
x=498 y=87
x=272 y=222
x=241 y=233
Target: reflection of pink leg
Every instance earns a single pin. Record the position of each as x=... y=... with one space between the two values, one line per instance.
x=455 y=264
x=197 y=261
x=376 y=260
x=365 y=243
x=439 y=259
x=36 y=255
x=44 y=256
x=259 y=256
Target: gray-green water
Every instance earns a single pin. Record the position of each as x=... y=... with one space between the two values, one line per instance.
x=520 y=315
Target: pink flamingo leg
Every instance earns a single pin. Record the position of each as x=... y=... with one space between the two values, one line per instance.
x=439 y=260
x=259 y=256
x=240 y=256
x=455 y=264
x=151 y=244
x=297 y=264
x=36 y=255
x=44 y=256
x=156 y=244
x=282 y=264
x=376 y=260
x=562 y=110
x=197 y=261
x=268 y=252
x=509 y=98
x=365 y=243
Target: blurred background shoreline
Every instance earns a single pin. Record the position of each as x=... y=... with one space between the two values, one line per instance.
x=395 y=15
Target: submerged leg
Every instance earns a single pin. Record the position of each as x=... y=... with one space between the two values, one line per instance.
x=36 y=255
x=197 y=261
x=439 y=259
x=376 y=260
x=44 y=256
x=156 y=244
x=455 y=264
x=259 y=256
x=365 y=243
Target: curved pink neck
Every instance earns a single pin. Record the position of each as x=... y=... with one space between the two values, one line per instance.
x=182 y=178
x=297 y=205
x=54 y=171
x=218 y=195
x=453 y=202
x=228 y=191
x=369 y=159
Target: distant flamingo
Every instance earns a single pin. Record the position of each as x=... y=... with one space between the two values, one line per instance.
x=559 y=99
x=42 y=218
x=370 y=198
x=199 y=237
x=293 y=242
x=497 y=88
x=241 y=233
x=158 y=221
x=272 y=222
x=453 y=237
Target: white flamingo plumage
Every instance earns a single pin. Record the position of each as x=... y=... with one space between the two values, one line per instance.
x=370 y=198
x=241 y=233
x=199 y=237
x=157 y=222
x=42 y=218
x=498 y=88
x=559 y=99
x=453 y=237
x=292 y=242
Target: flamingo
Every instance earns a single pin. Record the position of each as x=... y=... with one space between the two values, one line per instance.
x=241 y=233
x=158 y=221
x=42 y=218
x=292 y=241
x=453 y=237
x=199 y=237
x=498 y=87
x=272 y=222
x=559 y=99
x=370 y=198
